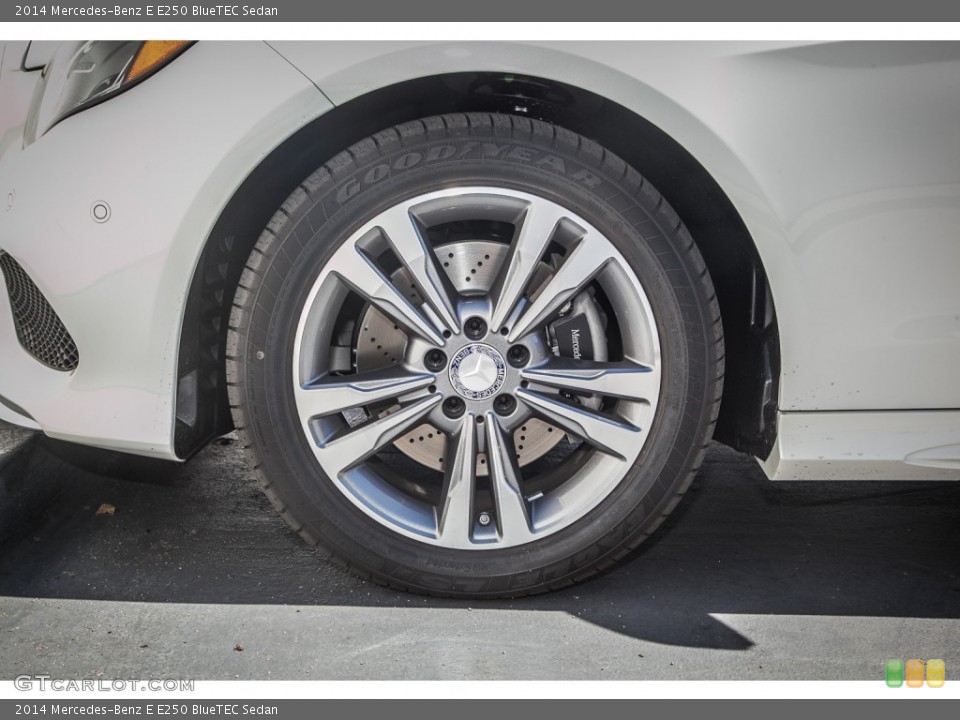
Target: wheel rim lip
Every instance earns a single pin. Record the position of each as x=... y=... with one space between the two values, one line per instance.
x=372 y=495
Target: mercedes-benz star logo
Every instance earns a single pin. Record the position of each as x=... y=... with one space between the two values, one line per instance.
x=477 y=371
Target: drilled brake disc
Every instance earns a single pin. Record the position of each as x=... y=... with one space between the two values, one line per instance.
x=472 y=267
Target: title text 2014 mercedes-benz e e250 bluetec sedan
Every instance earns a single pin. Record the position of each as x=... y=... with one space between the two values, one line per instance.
x=476 y=308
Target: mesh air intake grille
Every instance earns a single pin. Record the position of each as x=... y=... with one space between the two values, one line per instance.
x=39 y=328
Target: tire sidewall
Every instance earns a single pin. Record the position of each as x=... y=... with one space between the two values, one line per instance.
x=355 y=187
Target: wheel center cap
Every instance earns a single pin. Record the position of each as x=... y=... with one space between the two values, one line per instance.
x=477 y=371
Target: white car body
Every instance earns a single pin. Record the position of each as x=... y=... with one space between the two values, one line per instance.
x=842 y=161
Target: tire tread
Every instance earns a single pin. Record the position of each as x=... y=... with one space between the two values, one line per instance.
x=457 y=125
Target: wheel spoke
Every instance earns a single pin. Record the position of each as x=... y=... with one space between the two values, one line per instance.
x=403 y=234
x=587 y=259
x=616 y=438
x=536 y=230
x=332 y=394
x=386 y=291
x=356 y=445
x=455 y=516
x=513 y=513
x=358 y=271
x=629 y=380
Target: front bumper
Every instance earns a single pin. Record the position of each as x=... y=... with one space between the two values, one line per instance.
x=165 y=157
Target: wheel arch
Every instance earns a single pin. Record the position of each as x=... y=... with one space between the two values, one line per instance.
x=748 y=406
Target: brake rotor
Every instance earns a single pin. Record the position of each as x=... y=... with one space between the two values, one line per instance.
x=472 y=267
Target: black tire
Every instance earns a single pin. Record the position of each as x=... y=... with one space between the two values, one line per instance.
x=489 y=150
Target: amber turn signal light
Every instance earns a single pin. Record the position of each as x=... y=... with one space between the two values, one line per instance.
x=152 y=54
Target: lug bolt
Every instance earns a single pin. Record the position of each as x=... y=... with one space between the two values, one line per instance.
x=518 y=356
x=453 y=407
x=484 y=519
x=435 y=360
x=475 y=328
x=504 y=404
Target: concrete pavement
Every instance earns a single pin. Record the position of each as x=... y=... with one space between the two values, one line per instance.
x=748 y=580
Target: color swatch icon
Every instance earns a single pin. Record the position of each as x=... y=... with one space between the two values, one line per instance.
x=936 y=673
x=896 y=672
x=914 y=673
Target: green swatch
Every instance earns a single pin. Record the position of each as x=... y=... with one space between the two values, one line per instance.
x=894 y=673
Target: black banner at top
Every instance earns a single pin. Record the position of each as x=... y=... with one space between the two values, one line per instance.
x=536 y=11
